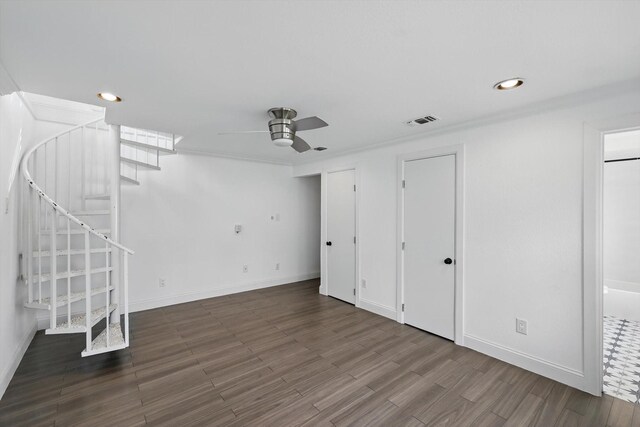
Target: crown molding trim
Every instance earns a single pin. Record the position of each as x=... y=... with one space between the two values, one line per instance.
x=181 y=150
x=557 y=103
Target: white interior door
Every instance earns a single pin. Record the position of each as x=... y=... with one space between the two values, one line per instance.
x=429 y=236
x=341 y=232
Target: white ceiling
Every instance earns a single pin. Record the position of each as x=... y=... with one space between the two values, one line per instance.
x=198 y=68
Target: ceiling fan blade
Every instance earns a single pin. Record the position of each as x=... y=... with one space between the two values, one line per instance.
x=310 y=123
x=300 y=145
x=236 y=132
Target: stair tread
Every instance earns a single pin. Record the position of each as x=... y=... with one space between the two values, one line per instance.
x=77 y=231
x=79 y=320
x=139 y=163
x=72 y=273
x=116 y=339
x=129 y=180
x=105 y=196
x=62 y=299
x=71 y=252
x=93 y=212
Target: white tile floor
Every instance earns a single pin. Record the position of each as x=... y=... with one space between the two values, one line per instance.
x=622 y=358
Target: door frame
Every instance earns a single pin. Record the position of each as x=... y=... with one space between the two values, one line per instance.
x=324 y=190
x=592 y=244
x=458 y=152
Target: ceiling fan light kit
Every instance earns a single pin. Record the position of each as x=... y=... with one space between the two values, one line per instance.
x=283 y=128
x=282 y=142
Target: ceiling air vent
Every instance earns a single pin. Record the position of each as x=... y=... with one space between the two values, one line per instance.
x=422 y=120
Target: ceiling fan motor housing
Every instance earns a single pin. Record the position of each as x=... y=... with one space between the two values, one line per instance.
x=282 y=128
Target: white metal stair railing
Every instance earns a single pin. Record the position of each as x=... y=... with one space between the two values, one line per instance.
x=67 y=169
x=141 y=149
x=165 y=143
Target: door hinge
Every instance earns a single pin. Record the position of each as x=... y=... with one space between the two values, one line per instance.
x=402 y=307
x=354 y=240
x=354 y=187
x=21 y=275
x=354 y=291
x=404 y=184
x=403 y=245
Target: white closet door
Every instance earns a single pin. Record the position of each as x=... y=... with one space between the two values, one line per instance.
x=429 y=236
x=341 y=232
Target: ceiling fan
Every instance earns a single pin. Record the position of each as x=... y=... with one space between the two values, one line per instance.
x=283 y=128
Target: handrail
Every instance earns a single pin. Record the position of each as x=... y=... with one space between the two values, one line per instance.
x=49 y=200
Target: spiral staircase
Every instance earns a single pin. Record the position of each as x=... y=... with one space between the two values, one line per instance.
x=75 y=265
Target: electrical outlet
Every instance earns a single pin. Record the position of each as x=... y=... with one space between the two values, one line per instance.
x=277 y=266
x=521 y=326
x=245 y=268
x=161 y=283
x=364 y=283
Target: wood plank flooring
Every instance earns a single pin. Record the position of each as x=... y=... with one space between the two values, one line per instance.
x=286 y=356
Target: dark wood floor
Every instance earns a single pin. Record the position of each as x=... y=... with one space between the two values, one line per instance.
x=286 y=356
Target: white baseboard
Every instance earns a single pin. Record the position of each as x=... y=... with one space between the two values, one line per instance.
x=621 y=304
x=10 y=369
x=374 y=307
x=164 y=301
x=563 y=374
x=43 y=320
x=622 y=286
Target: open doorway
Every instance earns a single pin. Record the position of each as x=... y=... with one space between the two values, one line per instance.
x=311 y=217
x=621 y=265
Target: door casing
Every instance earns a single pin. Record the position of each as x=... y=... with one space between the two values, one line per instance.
x=592 y=245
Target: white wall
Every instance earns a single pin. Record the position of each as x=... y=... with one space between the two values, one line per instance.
x=621 y=233
x=17 y=325
x=522 y=229
x=19 y=130
x=180 y=222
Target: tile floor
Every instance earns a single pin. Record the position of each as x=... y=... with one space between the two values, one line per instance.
x=622 y=359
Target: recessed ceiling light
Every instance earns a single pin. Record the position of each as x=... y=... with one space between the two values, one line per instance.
x=109 y=97
x=509 y=84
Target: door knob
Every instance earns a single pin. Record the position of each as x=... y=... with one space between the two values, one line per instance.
x=448 y=261
x=328 y=243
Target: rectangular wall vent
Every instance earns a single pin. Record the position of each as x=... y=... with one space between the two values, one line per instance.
x=422 y=120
